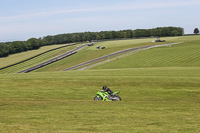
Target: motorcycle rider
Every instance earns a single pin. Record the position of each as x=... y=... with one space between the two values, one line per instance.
x=106 y=89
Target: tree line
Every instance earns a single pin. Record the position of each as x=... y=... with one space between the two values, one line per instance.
x=8 y=48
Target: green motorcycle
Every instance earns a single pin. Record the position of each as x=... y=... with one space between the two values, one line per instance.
x=104 y=96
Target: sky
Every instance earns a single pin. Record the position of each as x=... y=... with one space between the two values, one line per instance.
x=24 y=19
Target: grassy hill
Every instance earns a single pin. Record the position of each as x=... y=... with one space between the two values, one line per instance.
x=179 y=55
x=176 y=55
x=159 y=89
x=36 y=60
x=90 y=53
x=14 y=58
x=85 y=55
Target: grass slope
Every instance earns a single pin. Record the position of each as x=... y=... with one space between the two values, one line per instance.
x=88 y=54
x=136 y=60
x=14 y=58
x=37 y=60
x=153 y=100
x=91 y=53
x=184 y=54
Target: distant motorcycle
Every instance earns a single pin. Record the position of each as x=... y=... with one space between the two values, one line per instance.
x=104 y=96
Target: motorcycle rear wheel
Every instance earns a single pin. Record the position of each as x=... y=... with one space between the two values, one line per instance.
x=98 y=98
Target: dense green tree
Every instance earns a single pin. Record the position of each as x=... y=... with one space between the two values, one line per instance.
x=33 y=42
x=141 y=33
x=196 y=31
x=174 y=33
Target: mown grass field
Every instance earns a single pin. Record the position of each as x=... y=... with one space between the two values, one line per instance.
x=153 y=100
x=159 y=94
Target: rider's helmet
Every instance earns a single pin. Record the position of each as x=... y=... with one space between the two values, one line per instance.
x=104 y=87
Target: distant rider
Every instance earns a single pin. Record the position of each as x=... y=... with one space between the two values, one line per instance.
x=106 y=89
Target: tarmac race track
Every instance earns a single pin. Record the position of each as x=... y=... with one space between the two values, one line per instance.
x=116 y=53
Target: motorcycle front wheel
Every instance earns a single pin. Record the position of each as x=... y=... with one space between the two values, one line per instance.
x=98 y=98
x=117 y=98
